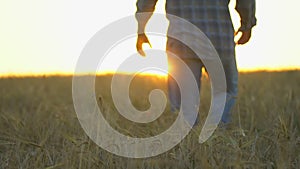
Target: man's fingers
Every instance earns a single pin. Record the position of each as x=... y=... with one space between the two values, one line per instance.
x=149 y=44
x=139 y=48
x=139 y=45
x=141 y=52
x=244 y=38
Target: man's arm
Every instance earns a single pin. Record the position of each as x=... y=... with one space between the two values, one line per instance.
x=246 y=10
x=146 y=7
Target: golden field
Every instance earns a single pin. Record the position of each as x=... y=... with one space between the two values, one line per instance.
x=39 y=127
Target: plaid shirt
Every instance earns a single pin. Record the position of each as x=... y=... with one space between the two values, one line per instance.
x=211 y=16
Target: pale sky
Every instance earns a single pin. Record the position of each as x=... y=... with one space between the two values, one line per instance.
x=47 y=36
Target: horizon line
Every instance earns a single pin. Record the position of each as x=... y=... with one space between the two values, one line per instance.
x=67 y=74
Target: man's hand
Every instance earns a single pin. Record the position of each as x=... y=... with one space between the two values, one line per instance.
x=141 y=39
x=246 y=35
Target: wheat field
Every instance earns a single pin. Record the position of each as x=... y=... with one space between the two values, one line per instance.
x=39 y=127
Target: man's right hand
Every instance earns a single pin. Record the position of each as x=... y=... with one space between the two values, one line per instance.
x=141 y=39
x=246 y=35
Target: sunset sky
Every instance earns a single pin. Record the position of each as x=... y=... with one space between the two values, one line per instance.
x=47 y=36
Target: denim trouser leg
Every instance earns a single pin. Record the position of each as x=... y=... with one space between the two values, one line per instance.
x=195 y=65
x=231 y=73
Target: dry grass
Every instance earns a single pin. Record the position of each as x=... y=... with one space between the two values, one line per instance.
x=39 y=128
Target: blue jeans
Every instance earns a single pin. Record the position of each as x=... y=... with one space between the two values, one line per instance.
x=195 y=66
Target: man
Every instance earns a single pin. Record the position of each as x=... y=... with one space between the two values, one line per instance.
x=213 y=18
